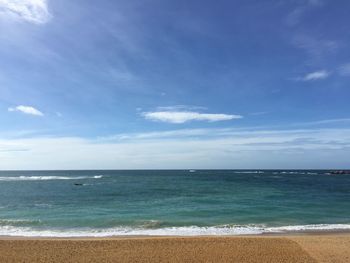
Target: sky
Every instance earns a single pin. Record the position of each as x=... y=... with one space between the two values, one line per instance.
x=159 y=84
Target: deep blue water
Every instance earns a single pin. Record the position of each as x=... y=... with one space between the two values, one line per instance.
x=180 y=202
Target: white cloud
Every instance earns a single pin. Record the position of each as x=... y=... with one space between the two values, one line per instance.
x=27 y=110
x=185 y=116
x=34 y=11
x=258 y=149
x=321 y=74
x=344 y=70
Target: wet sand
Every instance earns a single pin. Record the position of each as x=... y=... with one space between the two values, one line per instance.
x=326 y=248
x=305 y=248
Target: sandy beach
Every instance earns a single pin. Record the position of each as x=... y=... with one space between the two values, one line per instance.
x=301 y=248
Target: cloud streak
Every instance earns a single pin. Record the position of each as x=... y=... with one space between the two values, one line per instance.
x=317 y=75
x=179 y=117
x=295 y=16
x=308 y=148
x=344 y=70
x=26 y=110
x=33 y=11
x=317 y=48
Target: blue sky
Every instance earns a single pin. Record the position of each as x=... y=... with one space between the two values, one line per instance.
x=174 y=84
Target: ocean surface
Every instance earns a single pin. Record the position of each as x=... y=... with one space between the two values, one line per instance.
x=173 y=202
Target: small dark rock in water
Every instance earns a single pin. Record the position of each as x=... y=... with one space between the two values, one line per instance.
x=78 y=184
x=341 y=172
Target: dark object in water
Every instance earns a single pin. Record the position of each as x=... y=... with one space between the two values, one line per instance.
x=78 y=184
x=341 y=172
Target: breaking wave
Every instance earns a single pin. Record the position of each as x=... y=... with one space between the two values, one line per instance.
x=168 y=231
x=43 y=178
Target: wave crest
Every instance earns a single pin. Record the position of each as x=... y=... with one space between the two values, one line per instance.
x=43 y=178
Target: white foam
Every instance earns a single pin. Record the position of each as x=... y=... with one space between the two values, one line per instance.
x=317 y=227
x=249 y=172
x=39 y=178
x=167 y=231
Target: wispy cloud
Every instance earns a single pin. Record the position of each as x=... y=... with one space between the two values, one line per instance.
x=317 y=48
x=329 y=121
x=34 y=11
x=170 y=134
x=300 y=128
x=186 y=116
x=292 y=128
x=344 y=69
x=307 y=148
x=317 y=75
x=315 y=2
x=180 y=108
x=295 y=16
x=27 y=110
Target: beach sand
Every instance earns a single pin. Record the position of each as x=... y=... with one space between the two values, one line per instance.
x=305 y=248
x=326 y=248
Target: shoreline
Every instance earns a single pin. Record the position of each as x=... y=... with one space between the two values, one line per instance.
x=253 y=248
x=267 y=235
x=271 y=234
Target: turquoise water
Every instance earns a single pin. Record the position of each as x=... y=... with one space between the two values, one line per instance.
x=202 y=202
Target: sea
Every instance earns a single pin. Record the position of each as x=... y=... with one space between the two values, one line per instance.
x=172 y=202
